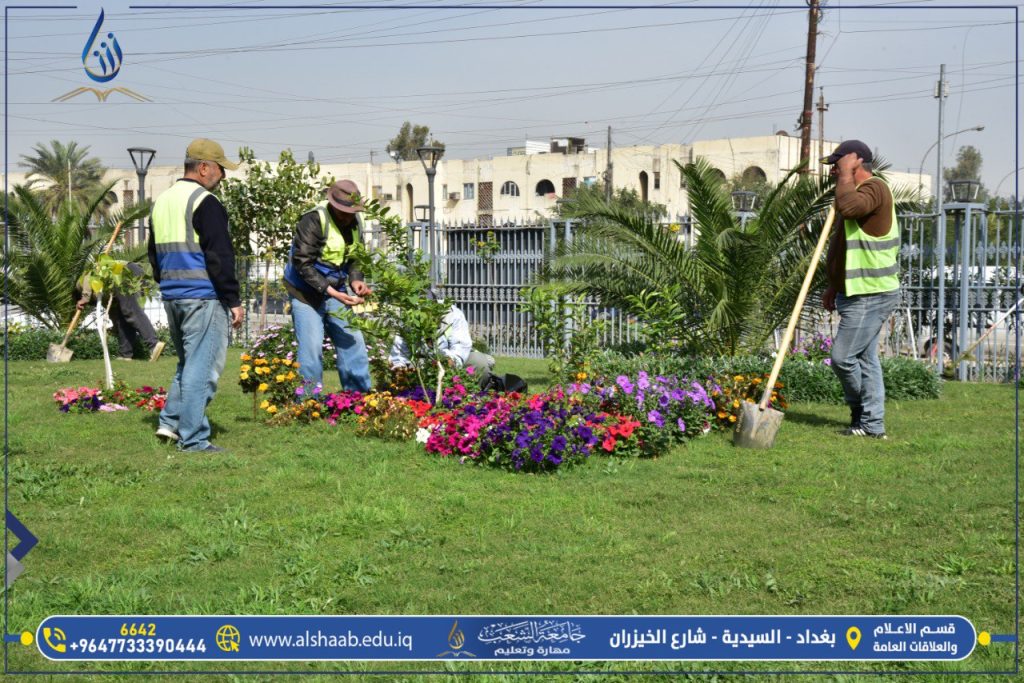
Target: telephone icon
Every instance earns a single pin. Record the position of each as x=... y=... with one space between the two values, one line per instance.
x=58 y=635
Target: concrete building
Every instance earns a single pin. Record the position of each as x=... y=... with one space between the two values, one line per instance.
x=526 y=183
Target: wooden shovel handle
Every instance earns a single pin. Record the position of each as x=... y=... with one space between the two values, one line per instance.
x=113 y=237
x=795 y=316
x=71 y=328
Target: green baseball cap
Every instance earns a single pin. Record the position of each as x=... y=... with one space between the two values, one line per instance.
x=202 y=149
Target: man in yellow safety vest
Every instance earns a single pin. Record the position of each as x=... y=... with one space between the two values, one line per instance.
x=864 y=285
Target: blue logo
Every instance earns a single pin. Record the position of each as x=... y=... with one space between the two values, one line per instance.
x=102 y=59
x=108 y=54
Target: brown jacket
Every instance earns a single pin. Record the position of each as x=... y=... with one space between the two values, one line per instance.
x=870 y=204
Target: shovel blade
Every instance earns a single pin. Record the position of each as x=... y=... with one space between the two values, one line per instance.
x=58 y=354
x=756 y=428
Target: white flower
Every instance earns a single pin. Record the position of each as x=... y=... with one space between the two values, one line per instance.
x=422 y=434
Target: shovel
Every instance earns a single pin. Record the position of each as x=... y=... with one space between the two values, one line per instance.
x=758 y=424
x=59 y=353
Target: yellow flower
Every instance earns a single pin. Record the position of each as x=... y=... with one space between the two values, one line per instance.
x=721 y=414
x=735 y=403
x=295 y=365
x=580 y=376
x=291 y=376
x=264 y=405
x=279 y=378
x=674 y=227
x=244 y=376
x=246 y=368
x=732 y=418
x=373 y=403
x=738 y=378
x=757 y=380
x=286 y=362
x=264 y=386
x=272 y=409
x=260 y=361
x=316 y=414
x=246 y=357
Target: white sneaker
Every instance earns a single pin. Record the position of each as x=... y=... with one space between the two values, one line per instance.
x=166 y=433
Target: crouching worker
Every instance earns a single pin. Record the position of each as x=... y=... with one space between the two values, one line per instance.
x=453 y=341
x=318 y=277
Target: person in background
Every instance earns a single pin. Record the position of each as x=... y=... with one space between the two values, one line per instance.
x=130 y=321
x=453 y=341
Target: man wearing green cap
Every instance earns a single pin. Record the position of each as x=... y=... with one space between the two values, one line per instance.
x=194 y=263
x=864 y=285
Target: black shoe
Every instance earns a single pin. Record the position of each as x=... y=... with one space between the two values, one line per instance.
x=856 y=412
x=860 y=431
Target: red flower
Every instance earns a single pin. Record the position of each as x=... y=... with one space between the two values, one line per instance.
x=609 y=443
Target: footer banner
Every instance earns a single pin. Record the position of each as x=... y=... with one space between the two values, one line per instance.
x=505 y=638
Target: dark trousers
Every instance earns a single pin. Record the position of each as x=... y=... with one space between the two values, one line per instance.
x=130 y=321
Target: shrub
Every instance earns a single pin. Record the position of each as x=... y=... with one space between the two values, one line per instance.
x=32 y=343
x=905 y=379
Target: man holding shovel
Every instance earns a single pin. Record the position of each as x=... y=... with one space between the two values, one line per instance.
x=193 y=260
x=863 y=276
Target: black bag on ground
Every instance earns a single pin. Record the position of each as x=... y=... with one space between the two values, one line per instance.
x=504 y=384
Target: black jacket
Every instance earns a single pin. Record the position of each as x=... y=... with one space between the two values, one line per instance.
x=307 y=245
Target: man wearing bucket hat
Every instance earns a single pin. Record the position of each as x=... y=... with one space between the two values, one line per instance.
x=194 y=263
x=863 y=277
x=318 y=276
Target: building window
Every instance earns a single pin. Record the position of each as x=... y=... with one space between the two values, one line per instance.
x=589 y=181
x=509 y=189
x=657 y=180
x=545 y=187
x=468 y=191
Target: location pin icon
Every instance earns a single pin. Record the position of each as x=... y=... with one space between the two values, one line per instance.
x=853 y=637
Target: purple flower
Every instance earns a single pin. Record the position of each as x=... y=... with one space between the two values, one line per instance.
x=558 y=444
x=682 y=425
x=299 y=391
x=655 y=417
x=827 y=361
x=624 y=382
x=641 y=381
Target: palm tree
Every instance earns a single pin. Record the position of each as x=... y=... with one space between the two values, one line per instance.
x=63 y=172
x=731 y=290
x=50 y=253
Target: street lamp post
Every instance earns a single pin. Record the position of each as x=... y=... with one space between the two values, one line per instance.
x=142 y=157
x=920 y=170
x=429 y=156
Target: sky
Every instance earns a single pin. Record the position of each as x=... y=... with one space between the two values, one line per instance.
x=339 y=80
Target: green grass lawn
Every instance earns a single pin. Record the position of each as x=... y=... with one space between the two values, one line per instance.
x=312 y=520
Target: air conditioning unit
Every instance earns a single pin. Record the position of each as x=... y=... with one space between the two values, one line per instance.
x=454 y=196
x=387 y=197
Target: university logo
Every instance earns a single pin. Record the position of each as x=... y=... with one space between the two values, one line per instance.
x=102 y=59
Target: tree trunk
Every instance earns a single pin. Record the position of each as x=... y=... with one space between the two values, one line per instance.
x=101 y=324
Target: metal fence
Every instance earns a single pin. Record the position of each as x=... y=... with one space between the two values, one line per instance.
x=980 y=264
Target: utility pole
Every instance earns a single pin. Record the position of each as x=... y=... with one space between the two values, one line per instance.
x=806 y=116
x=941 y=93
x=608 y=170
x=822 y=108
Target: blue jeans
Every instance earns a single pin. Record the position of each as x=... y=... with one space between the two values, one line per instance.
x=200 y=329
x=310 y=326
x=855 y=354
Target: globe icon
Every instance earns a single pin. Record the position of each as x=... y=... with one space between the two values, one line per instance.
x=228 y=638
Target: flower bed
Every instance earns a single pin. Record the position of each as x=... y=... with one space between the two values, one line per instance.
x=629 y=414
